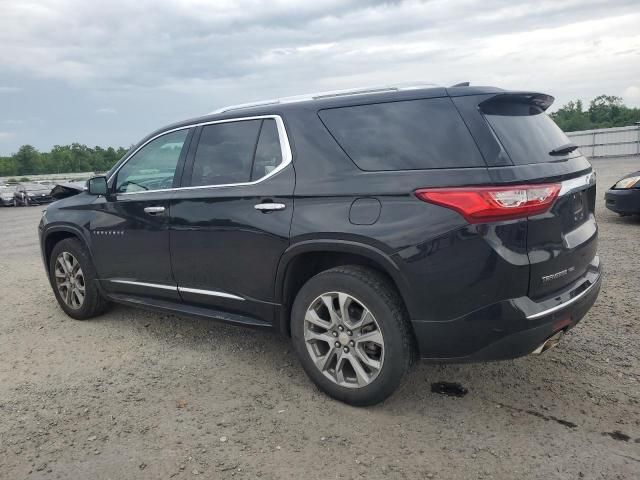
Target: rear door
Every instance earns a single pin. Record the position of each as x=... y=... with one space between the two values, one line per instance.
x=230 y=221
x=562 y=242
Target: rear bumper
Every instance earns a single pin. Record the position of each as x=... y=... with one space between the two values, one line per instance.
x=509 y=329
x=623 y=201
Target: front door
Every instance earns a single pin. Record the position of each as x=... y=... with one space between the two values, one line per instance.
x=230 y=225
x=130 y=231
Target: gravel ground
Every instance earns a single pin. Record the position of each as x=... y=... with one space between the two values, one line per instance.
x=136 y=394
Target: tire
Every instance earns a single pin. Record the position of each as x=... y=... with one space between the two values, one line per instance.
x=93 y=303
x=361 y=287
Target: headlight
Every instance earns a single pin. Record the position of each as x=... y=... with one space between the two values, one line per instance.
x=627 y=182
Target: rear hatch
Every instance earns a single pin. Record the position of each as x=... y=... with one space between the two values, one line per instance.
x=561 y=242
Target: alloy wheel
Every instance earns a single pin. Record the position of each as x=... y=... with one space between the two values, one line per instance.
x=70 y=280
x=344 y=340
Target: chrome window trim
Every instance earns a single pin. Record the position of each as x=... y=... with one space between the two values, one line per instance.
x=574 y=184
x=285 y=147
x=212 y=293
x=144 y=284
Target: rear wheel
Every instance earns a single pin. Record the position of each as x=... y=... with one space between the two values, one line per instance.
x=73 y=280
x=351 y=334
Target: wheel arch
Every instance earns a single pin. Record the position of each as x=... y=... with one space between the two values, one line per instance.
x=306 y=259
x=54 y=235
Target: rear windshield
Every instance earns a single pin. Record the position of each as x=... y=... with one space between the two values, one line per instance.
x=526 y=132
x=406 y=135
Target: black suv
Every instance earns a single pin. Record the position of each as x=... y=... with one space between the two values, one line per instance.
x=447 y=224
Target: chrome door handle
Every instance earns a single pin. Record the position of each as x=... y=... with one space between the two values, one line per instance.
x=269 y=207
x=153 y=210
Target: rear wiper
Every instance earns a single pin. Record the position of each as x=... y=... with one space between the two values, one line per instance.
x=564 y=149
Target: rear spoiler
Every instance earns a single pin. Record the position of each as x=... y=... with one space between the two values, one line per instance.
x=499 y=101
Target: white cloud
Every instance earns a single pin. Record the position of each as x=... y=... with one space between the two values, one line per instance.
x=631 y=95
x=106 y=111
x=6 y=136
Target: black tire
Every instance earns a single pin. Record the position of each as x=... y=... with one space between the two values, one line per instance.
x=94 y=303
x=383 y=301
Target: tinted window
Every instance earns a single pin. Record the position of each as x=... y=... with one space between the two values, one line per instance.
x=268 y=152
x=154 y=166
x=225 y=153
x=407 y=135
x=526 y=132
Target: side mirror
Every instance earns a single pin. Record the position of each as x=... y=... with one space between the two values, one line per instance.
x=97 y=186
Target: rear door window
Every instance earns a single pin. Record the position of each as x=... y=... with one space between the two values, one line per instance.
x=526 y=132
x=405 y=135
x=268 y=152
x=225 y=153
x=236 y=152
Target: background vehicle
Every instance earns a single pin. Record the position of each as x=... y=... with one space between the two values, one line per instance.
x=624 y=197
x=6 y=195
x=446 y=224
x=26 y=194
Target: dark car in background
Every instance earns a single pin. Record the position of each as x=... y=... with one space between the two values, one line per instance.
x=6 y=195
x=26 y=194
x=623 y=198
x=373 y=227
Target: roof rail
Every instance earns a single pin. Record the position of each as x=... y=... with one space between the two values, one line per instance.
x=461 y=84
x=328 y=94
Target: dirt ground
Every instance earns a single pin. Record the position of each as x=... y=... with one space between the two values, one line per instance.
x=136 y=394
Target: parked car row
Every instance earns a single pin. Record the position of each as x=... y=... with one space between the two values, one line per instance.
x=25 y=194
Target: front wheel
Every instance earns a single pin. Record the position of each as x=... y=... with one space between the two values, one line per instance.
x=73 y=278
x=351 y=333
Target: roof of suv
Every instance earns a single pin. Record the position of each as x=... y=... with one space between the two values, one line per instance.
x=334 y=99
x=363 y=94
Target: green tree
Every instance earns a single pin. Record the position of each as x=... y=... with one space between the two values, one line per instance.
x=605 y=111
x=27 y=160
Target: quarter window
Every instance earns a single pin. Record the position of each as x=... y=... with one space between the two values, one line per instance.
x=153 y=166
x=406 y=135
x=236 y=152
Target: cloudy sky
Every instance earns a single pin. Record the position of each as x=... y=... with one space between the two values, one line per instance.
x=108 y=72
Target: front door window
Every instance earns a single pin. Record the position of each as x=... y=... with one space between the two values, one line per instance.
x=153 y=166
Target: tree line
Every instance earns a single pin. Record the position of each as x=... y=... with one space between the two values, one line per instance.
x=61 y=159
x=604 y=111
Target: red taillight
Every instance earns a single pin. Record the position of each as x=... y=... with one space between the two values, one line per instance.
x=489 y=204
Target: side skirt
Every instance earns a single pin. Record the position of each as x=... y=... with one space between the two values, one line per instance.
x=188 y=310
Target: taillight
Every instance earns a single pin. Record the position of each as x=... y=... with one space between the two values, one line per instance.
x=489 y=204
